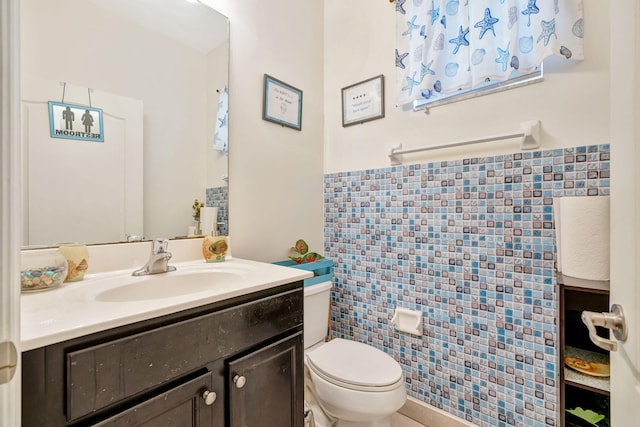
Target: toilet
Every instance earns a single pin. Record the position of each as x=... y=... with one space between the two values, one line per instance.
x=355 y=384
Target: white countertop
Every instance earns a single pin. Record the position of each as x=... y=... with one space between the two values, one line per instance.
x=80 y=308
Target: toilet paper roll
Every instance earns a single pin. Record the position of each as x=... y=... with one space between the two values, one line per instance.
x=582 y=233
x=208 y=220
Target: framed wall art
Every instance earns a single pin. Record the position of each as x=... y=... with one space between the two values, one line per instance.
x=363 y=101
x=282 y=103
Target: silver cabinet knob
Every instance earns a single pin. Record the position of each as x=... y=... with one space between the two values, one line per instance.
x=239 y=381
x=209 y=397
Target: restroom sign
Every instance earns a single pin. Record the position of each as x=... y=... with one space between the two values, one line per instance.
x=70 y=121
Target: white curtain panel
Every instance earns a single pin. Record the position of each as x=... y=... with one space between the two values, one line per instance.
x=446 y=45
x=221 y=134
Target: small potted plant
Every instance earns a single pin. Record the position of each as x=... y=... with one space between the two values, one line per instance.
x=300 y=253
x=301 y=258
x=196 y=214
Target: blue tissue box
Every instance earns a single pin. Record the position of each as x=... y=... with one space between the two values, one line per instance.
x=322 y=270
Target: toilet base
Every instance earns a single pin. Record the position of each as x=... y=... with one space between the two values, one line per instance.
x=383 y=422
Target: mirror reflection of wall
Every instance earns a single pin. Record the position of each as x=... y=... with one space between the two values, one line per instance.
x=169 y=55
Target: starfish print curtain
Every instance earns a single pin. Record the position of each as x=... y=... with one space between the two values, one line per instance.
x=443 y=46
x=221 y=134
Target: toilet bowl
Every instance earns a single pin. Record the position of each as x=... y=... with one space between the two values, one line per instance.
x=355 y=384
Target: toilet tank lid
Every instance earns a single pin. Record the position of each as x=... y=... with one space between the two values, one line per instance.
x=355 y=363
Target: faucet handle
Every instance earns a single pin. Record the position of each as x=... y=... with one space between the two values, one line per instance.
x=160 y=245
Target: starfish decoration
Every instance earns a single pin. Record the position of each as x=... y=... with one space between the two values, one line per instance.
x=461 y=40
x=503 y=57
x=400 y=58
x=223 y=121
x=434 y=12
x=426 y=69
x=411 y=25
x=531 y=9
x=548 y=30
x=486 y=24
x=399 y=6
x=411 y=83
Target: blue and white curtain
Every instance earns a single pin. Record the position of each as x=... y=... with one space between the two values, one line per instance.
x=221 y=134
x=446 y=45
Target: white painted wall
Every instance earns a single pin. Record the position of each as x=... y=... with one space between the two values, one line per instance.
x=572 y=103
x=276 y=173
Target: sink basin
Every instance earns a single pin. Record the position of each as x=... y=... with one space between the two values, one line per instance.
x=170 y=285
x=184 y=282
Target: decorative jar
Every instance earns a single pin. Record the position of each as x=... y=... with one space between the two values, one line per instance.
x=214 y=248
x=77 y=261
x=42 y=269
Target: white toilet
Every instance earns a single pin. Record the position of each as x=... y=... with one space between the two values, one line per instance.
x=355 y=384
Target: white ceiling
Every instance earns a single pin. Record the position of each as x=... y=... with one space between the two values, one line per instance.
x=185 y=21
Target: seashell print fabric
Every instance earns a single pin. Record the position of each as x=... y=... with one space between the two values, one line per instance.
x=446 y=45
x=221 y=134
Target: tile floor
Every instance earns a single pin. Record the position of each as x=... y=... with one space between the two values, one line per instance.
x=399 y=420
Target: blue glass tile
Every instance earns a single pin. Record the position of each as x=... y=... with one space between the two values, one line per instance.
x=469 y=242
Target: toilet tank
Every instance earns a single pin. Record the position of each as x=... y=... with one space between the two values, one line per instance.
x=316 y=312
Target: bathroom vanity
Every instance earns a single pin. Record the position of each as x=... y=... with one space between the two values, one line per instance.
x=231 y=361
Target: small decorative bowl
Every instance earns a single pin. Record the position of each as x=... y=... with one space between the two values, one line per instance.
x=42 y=269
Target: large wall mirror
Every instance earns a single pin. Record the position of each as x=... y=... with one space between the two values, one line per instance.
x=156 y=73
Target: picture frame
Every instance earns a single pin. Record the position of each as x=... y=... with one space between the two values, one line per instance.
x=282 y=103
x=363 y=101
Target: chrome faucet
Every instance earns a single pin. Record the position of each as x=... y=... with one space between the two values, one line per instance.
x=158 y=259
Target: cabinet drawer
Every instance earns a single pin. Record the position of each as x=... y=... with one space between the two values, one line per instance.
x=100 y=376
x=183 y=405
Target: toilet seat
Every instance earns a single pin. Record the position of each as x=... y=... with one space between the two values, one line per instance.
x=355 y=366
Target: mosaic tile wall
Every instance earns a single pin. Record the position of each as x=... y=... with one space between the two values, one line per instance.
x=470 y=243
x=219 y=197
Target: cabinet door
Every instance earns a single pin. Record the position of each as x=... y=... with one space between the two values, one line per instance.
x=266 y=386
x=183 y=406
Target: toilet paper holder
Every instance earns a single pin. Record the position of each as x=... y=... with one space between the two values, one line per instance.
x=406 y=320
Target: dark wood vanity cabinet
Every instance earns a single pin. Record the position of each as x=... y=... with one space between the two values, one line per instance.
x=237 y=362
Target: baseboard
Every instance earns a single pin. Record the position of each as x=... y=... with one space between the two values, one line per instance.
x=430 y=416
